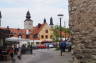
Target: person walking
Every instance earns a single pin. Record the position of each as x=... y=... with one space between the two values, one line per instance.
x=68 y=46
x=62 y=46
x=16 y=49
x=11 y=53
x=31 y=49
x=19 y=54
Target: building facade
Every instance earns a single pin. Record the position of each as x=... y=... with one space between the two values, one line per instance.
x=4 y=33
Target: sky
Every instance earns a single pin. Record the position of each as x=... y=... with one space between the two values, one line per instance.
x=14 y=12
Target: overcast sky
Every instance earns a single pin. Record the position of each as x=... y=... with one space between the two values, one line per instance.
x=14 y=11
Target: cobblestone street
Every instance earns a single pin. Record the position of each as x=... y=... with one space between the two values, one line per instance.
x=45 y=56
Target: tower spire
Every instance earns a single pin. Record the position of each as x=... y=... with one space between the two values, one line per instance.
x=0 y=15
x=28 y=16
x=51 y=21
x=44 y=20
x=0 y=18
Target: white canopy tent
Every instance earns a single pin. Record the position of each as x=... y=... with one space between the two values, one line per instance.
x=21 y=41
x=14 y=39
x=31 y=41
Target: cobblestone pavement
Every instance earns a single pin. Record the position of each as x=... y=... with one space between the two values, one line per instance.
x=45 y=56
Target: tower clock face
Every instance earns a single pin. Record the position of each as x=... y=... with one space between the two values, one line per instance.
x=25 y=23
x=30 y=24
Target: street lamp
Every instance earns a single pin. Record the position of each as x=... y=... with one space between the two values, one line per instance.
x=60 y=17
x=65 y=31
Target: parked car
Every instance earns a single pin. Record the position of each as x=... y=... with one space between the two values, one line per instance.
x=34 y=47
x=51 y=45
x=41 y=46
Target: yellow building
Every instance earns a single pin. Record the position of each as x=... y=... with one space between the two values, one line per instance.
x=46 y=33
x=43 y=32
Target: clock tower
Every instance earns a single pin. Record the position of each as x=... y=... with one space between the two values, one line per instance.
x=28 y=23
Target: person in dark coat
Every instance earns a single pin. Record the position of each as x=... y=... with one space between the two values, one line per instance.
x=62 y=46
x=31 y=49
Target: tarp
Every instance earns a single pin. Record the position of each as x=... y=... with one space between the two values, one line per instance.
x=28 y=40
x=14 y=39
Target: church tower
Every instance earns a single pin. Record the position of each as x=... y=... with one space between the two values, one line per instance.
x=51 y=22
x=0 y=18
x=45 y=21
x=28 y=23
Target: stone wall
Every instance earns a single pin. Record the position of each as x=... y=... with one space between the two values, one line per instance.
x=82 y=22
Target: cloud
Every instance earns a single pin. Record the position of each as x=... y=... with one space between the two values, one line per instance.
x=14 y=13
x=33 y=3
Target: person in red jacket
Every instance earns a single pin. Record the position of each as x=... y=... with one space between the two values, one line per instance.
x=11 y=52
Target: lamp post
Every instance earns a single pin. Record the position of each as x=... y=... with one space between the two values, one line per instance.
x=65 y=31
x=60 y=17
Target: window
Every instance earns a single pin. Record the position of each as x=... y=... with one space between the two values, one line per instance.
x=51 y=36
x=46 y=31
x=35 y=36
x=46 y=36
x=37 y=42
x=27 y=36
x=19 y=36
x=42 y=36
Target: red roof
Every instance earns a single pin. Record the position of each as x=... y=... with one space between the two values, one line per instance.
x=37 y=29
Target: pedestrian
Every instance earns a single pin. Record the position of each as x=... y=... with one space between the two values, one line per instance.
x=19 y=54
x=62 y=46
x=11 y=53
x=31 y=49
x=16 y=49
x=68 y=46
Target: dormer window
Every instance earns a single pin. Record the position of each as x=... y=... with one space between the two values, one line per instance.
x=46 y=31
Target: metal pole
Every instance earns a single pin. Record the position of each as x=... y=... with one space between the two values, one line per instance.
x=60 y=15
x=60 y=31
x=0 y=21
